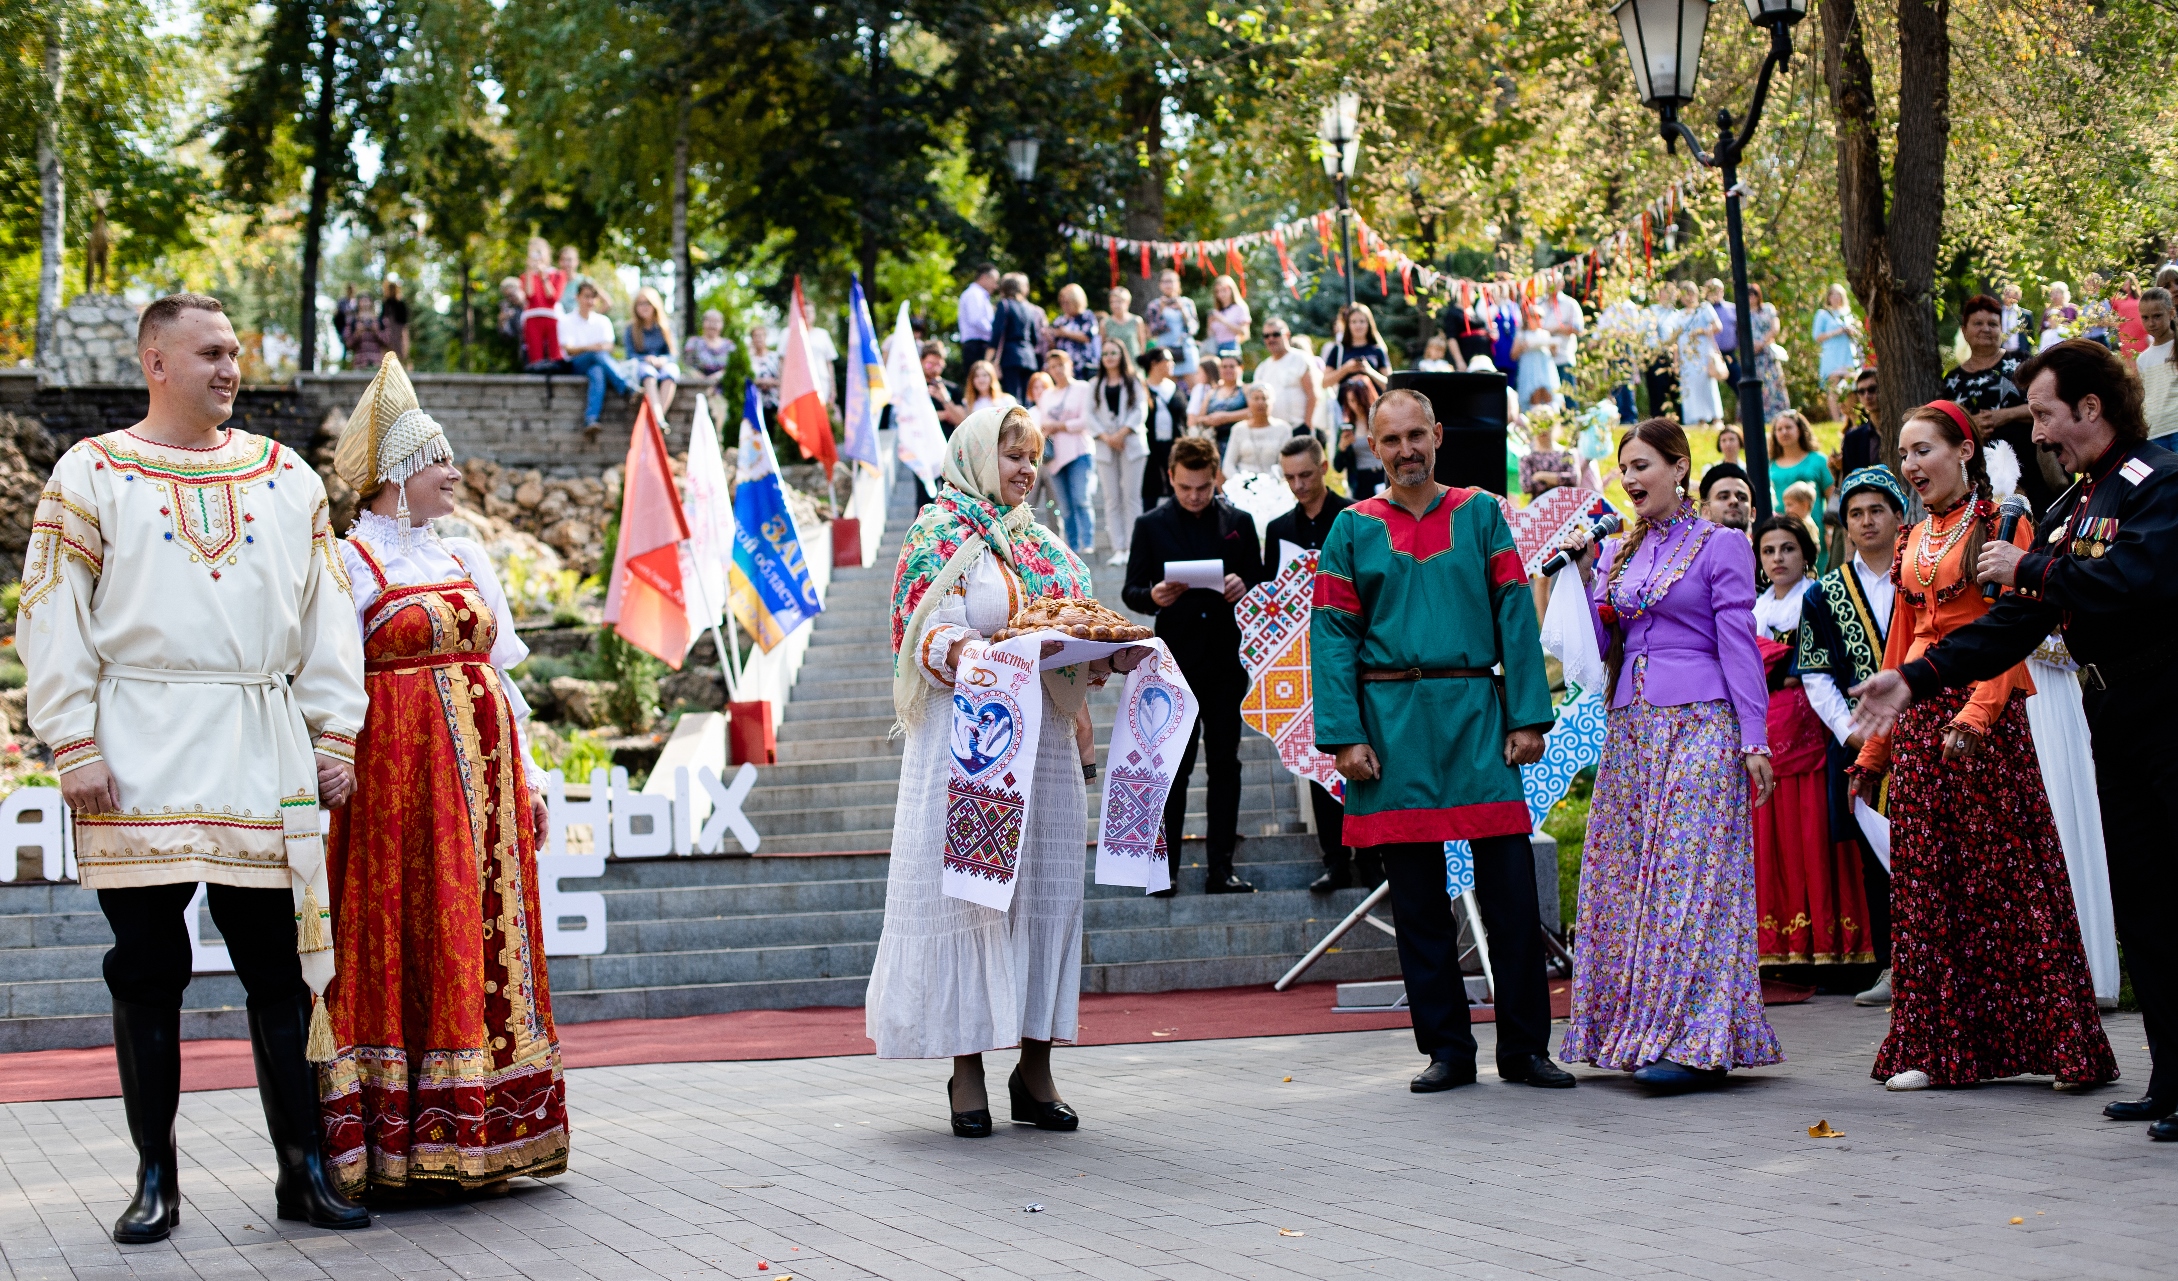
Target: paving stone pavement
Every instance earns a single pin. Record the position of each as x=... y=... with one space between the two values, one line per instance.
x=1192 y=1158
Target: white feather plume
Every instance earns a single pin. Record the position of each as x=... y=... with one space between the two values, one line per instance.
x=2003 y=470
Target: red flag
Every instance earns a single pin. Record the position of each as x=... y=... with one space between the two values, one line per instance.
x=1648 y=260
x=1285 y=263
x=645 y=602
x=801 y=408
x=1145 y=260
x=1112 y=247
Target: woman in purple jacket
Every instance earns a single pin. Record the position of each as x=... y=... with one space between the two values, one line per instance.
x=1665 y=978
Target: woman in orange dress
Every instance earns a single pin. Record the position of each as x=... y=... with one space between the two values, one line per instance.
x=447 y=1074
x=1988 y=975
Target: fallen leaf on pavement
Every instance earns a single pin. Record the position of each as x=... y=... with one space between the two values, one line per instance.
x=1163 y=1031
x=2017 y=1219
x=1288 y=1080
x=1289 y=1232
x=1822 y=1130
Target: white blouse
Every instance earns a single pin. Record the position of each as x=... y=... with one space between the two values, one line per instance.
x=1779 y=619
x=984 y=600
x=424 y=557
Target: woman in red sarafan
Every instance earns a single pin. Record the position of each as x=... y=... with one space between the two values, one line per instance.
x=1811 y=908
x=447 y=1074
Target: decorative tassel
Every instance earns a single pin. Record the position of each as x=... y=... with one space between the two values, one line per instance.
x=320 y=1048
x=313 y=929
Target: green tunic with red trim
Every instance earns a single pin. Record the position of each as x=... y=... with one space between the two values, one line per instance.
x=1445 y=591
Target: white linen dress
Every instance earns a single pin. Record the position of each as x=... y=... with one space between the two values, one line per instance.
x=954 y=977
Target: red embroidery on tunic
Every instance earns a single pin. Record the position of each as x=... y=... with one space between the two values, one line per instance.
x=1335 y=592
x=1419 y=539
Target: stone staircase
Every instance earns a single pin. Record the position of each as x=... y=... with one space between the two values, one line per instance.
x=797 y=926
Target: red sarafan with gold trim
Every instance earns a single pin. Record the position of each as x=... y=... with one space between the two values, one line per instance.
x=448 y=1071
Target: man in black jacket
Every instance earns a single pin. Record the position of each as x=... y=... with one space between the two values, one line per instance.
x=1195 y=524
x=1315 y=507
x=2103 y=569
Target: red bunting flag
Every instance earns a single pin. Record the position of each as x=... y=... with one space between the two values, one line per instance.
x=1113 y=247
x=1237 y=269
x=1145 y=260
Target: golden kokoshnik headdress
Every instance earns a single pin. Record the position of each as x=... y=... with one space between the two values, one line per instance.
x=389 y=438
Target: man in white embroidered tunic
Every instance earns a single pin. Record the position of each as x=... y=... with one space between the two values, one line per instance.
x=191 y=645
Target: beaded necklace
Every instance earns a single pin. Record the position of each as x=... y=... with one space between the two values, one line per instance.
x=1925 y=565
x=1673 y=559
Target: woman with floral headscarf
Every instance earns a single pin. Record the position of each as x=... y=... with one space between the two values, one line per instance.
x=955 y=978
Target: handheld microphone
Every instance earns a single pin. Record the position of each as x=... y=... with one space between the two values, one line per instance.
x=1598 y=529
x=2007 y=524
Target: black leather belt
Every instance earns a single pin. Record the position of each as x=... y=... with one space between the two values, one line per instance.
x=1428 y=674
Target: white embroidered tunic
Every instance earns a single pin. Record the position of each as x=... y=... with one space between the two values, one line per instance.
x=425 y=557
x=954 y=977
x=185 y=619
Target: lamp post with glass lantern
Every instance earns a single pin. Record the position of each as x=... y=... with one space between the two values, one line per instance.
x=1021 y=157
x=1663 y=41
x=1339 y=130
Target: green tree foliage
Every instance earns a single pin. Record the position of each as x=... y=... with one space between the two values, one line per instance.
x=127 y=99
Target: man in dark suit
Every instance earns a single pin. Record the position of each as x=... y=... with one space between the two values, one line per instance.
x=1196 y=524
x=1315 y=506
x=1013 y=335
x=1166 y=421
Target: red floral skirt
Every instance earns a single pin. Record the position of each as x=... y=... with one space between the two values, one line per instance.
x=1988 y=975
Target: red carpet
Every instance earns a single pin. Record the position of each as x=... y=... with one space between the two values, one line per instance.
x=1106 y=1019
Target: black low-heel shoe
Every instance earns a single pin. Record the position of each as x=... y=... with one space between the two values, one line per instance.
x=967 y=1125
x=1031 y=1111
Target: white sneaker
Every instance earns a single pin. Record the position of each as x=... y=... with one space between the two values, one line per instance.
x=1914 y=1080
x=1880 y=994
x=1118 y=558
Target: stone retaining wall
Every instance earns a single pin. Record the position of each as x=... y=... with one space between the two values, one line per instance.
x=525 y=421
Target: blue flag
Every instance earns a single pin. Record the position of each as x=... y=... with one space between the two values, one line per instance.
x=769 y=586
x=866 y=392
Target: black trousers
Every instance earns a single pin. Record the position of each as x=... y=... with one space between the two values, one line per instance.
x=1662 y=384
x=149 y=961
x=1217 y=733
x=2136 y=779
x=971 y=351
x=1429 y=957
x=1330 y=825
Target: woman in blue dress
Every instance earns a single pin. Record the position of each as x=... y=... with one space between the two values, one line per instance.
x=1172 y=322
x=1835 y=331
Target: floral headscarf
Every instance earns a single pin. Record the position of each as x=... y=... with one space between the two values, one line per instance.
x=957 y=525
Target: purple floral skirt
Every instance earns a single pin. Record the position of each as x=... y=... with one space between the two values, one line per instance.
x=1664 y=963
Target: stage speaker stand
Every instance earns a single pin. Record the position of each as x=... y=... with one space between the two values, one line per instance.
x=1471 y=408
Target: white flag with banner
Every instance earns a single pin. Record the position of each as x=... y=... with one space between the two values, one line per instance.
x=921 y=441
x=708 y=504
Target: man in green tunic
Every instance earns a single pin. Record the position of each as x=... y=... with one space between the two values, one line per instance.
x=1420 y=593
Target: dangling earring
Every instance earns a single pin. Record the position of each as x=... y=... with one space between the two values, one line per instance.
x=1965 y=479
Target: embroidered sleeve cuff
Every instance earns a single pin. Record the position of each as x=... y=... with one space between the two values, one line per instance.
x=338 y=744
x=75 y=754
x=931 y=650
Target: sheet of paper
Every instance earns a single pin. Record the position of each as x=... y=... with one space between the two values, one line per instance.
x=1876 y=828
x=1208 y=574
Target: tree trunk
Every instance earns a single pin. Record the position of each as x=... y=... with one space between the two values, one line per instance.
x=1144 y=102
x=872 y=116
x=52 y=193
x=1889 y=245
x=322 y=164
x=684 y=276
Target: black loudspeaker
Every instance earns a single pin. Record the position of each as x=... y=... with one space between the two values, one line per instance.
x=1471 y=408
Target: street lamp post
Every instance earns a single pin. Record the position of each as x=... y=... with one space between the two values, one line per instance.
x=1021 y=157
x=1339 y=130
x=1663 y=41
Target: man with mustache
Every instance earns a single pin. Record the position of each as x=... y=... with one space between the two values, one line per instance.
x=1420 y=593
x=2101 y=567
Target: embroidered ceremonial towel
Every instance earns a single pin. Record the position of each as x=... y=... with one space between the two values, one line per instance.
x=1281 y=703
x=1156 y=713
x=997 y=718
